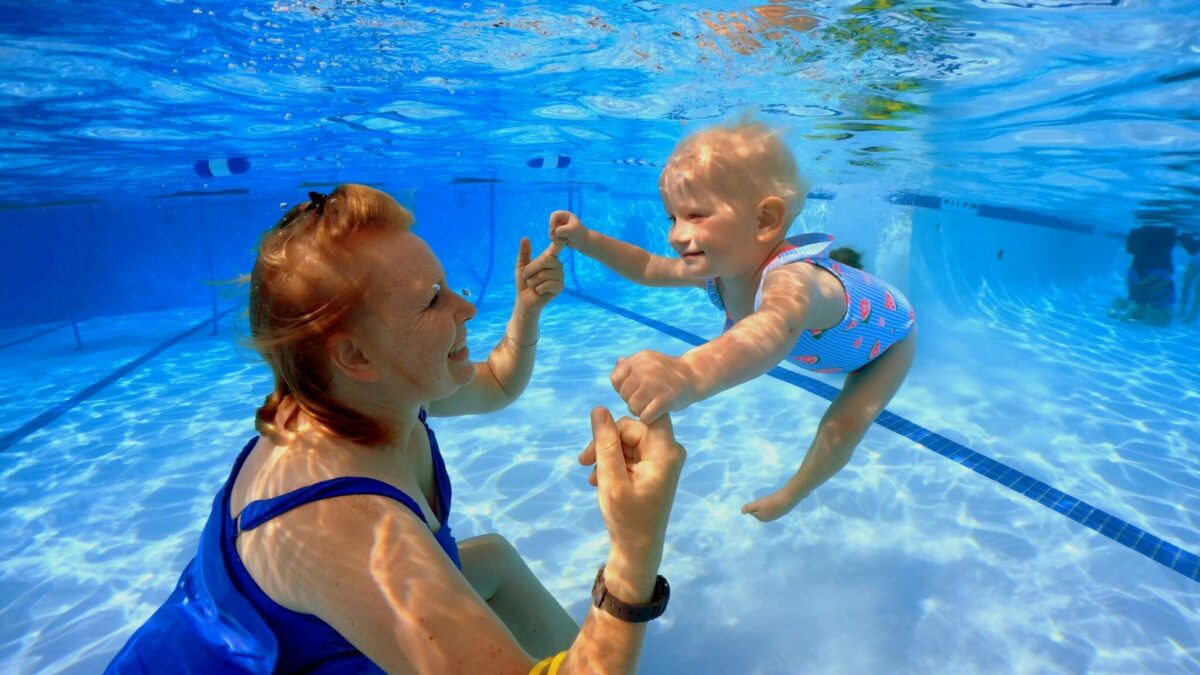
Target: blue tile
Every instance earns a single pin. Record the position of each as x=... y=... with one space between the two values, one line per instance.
x=1148 y=545
x=1077 y=514
x=1022 y=483
x=1112 y=528
x=1167 y=553
x=1051 y=497
x=1130 y=536
x=1097 y=519
x=1188 y=565
x=1036 y=490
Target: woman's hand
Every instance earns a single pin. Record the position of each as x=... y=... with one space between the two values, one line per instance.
x=566 y=230
x=636 y=472
x=539 y=280
x=654 y=384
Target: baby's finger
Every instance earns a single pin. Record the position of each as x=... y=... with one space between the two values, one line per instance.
x=638 y=400
x=629 y=388
x=653 y=410
x=620 y=373
x=559 y=218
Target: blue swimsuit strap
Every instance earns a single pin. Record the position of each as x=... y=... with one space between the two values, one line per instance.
x=259 y=512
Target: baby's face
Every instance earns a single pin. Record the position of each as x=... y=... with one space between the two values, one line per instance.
x=712 y=229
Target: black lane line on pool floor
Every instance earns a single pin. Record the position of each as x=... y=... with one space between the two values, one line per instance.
x=27 y=338
x=1126 y=534
x=13 y=437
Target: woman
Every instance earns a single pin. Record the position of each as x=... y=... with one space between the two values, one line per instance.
x=329 y=547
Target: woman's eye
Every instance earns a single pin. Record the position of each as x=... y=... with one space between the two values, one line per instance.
x=695 y=216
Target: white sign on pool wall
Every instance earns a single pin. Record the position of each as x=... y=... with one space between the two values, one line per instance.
x=549 y=162
x=219 y=167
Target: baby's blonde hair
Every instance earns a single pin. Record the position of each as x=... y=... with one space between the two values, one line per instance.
x=748 y=155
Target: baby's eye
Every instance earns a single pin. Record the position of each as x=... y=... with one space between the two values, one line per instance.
x=695 y=216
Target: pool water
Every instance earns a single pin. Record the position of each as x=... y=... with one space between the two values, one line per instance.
x=1027 y=504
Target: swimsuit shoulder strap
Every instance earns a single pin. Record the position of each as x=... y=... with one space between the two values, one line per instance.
x=714 y=294
x=259 y=512
x=807 y=246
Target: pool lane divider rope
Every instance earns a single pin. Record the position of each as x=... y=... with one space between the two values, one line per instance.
x=1124 y=533
x=13 y=437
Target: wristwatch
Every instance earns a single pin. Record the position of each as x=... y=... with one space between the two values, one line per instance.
x=629 y=612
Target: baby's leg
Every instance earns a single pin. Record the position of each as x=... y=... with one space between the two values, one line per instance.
x=866 y=393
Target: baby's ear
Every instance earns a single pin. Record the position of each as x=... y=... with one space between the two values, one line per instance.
x=771 y=212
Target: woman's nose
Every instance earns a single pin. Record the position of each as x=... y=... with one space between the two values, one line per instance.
x=466 y=310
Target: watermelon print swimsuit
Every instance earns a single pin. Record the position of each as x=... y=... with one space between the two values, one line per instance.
x=877 y=315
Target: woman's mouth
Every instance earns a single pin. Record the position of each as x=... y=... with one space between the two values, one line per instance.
x=694 y=255
x=459 y=351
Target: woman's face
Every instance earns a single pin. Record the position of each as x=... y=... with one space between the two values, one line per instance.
x=413 y=328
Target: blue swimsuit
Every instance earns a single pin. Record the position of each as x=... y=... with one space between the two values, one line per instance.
x=877 y=315
x=218 y=620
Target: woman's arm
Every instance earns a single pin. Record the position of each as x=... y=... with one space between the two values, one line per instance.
x=500 y=380
x=631 y=262
x=369 y=568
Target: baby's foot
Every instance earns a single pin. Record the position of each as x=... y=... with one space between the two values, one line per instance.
x=773 y=506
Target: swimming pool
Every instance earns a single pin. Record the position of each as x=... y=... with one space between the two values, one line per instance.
x=1028 y=505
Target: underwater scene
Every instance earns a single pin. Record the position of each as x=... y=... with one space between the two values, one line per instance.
x=1024 y=175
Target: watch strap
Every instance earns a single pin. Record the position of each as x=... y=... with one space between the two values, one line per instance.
x=631 y=612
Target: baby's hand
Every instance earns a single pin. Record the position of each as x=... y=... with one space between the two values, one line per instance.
x=565 y=229
x=653 y=384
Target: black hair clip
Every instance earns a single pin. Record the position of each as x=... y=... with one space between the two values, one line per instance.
x=317 y=203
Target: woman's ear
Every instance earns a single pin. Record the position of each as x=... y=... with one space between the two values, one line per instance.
x=348 y=357
x=771 y=225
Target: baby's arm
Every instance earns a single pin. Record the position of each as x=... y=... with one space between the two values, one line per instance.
x=631 y=262
x=653 y=384
x=758 y=342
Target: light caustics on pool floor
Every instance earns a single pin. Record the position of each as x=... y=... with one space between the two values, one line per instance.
x=105 y=501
